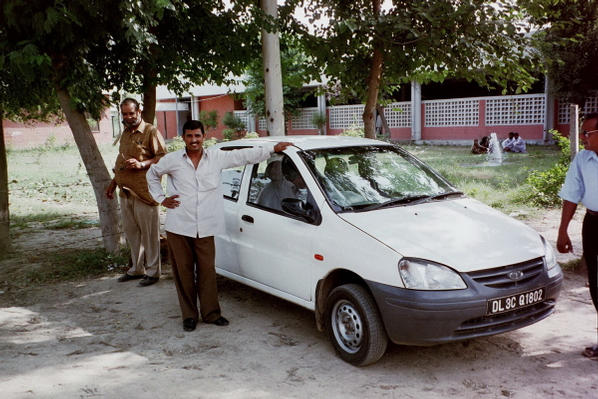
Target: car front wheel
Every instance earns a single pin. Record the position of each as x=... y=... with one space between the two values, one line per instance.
x=354 y=325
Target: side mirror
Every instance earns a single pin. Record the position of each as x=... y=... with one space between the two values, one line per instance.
x=296 y=207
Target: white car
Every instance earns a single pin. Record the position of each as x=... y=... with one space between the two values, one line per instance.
x=380 y=247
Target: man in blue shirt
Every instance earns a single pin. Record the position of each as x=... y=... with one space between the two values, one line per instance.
x=581 y=185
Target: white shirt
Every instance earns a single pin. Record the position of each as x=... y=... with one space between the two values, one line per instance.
x=518 y=145
x=508 y=143
x=581 y=183
x=200 y=212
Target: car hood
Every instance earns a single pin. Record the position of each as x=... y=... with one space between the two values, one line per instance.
x=461 y=233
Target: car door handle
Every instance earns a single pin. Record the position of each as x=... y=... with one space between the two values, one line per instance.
x=247 y=218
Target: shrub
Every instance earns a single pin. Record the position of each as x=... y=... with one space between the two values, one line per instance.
x=545 y=185
x=354 y=131
x=174 y=144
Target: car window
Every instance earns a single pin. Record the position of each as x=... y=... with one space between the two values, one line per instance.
x=274 y=180
x=364 y=176
x=231 y=182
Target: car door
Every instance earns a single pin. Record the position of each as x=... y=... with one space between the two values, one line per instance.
x=226 y=248
x=275 y=249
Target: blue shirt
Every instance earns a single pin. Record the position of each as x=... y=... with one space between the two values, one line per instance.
x=581 y=183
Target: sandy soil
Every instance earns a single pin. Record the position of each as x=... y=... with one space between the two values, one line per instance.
x=101 y=338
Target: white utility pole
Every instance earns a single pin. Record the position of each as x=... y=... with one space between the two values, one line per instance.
x=574 y=129
x=272 y=75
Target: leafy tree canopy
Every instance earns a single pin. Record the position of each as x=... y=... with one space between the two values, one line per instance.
x=421 y=40
x=567 y=36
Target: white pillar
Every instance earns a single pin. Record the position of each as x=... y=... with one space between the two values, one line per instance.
x=194 y=107
x=416 y=111
x=548 y=110
x=322 y=110
x=574 y=129
x=251 y=127
x=272 y=75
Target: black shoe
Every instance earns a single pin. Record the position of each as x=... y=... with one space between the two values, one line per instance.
x=128 y=277
x=189 y=324
x=147 y=280
x=221 y=321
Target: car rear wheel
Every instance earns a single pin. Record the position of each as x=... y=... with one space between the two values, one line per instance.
x=354 y=325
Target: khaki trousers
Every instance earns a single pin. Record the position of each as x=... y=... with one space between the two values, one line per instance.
x=192 y=261
x=141 y=224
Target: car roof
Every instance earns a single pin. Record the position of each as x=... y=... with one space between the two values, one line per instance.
x=306 y=142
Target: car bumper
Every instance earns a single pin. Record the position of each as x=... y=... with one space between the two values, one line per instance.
x=415 y=317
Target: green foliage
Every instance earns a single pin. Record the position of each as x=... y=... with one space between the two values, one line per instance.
x=175 y=144
x=251 y=135
x=426 y=41
x=236 y=126
x=319 y=120
x=545 y=185
x=353 y=131
x=297 y=70
x=566 y=33
x=209 y=119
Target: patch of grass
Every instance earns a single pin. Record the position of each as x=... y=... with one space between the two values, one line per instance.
x=574 y=265
x=51 y=220
x=74 y=264
x=503 y=187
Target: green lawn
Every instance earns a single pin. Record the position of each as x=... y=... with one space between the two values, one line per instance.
x=502 y=187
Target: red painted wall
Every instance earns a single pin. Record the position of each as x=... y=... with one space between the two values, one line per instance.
x=28 y=135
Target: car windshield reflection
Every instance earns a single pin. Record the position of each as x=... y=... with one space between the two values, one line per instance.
x=364 y=178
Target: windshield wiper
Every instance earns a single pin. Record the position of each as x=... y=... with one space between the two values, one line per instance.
x=394 y=201
x=444 y=195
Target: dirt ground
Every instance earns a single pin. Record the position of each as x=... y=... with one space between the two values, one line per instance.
x=101 y=338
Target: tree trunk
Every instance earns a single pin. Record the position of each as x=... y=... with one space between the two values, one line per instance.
x=149 y=104
x=96 y=170
x=385 y=126
x=4 y=215
x=369 y=113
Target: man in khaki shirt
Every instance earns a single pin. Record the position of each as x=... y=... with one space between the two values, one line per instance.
x=141 y=145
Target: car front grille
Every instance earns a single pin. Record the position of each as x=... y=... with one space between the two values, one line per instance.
x=506 y=321
x=509 y=276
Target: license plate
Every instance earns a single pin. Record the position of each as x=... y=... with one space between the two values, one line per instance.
x=516 y=301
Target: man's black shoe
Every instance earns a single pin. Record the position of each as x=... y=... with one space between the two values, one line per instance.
x=189 y=324
x=221 y=321
x=128 y=277
x=147 y=280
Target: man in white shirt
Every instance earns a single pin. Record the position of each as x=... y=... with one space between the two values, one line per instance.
x=507 y=144
x=518 y=144
x=581 y=186
x=195 y=215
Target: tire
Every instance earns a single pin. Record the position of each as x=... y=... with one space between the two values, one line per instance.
x=354 y=325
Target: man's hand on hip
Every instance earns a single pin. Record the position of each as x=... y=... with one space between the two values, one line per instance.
x=171 y=202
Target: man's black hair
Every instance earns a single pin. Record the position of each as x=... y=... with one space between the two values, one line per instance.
x=130 y=100
x=193 y=125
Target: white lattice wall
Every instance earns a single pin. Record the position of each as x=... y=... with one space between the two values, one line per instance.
x=591 y=105
x=345 y=116
x=398 y=114
x=304 y=119
x=516 y=110
x=244 y=116
x=455 y=112
x=262 y=124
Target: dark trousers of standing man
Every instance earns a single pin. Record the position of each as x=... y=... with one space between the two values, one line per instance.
x=589 y=235
x=194 y=275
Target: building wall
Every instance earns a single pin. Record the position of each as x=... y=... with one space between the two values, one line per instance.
x=28 y=135
x=220 y=104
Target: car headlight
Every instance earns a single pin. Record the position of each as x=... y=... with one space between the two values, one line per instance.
x=552 y=267
x=421 y=274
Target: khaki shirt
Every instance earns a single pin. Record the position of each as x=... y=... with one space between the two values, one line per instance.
x=142 y=143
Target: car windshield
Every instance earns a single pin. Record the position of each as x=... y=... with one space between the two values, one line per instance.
x=363 y=178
